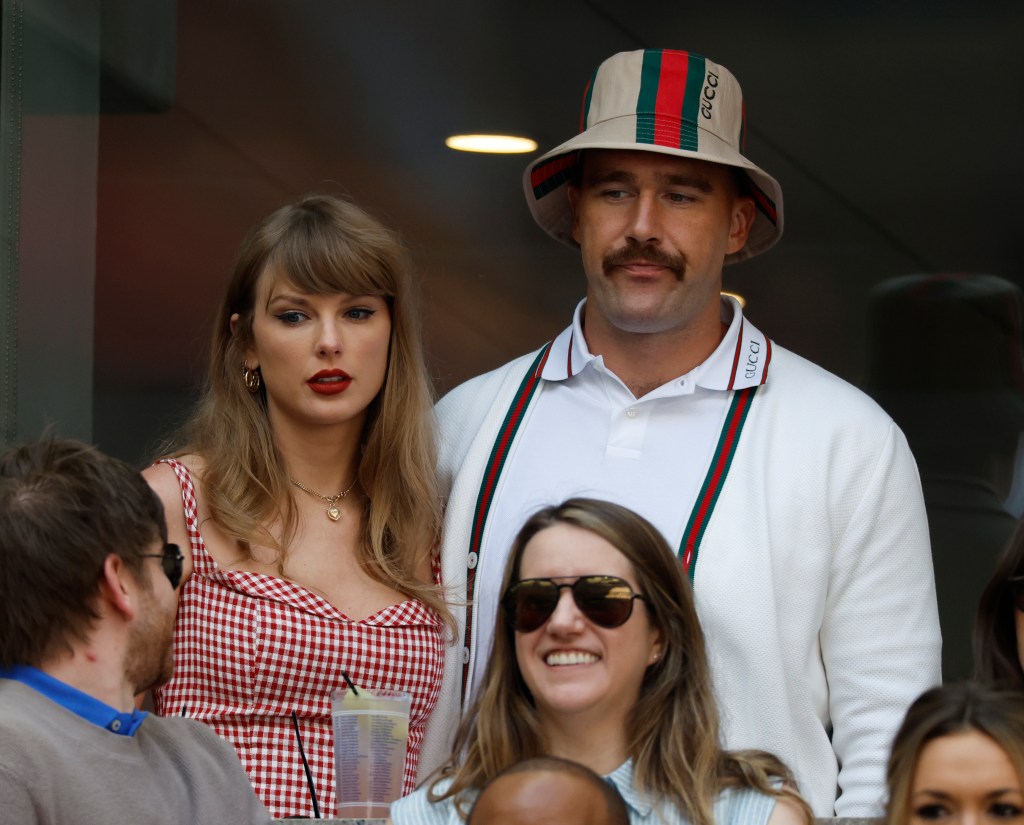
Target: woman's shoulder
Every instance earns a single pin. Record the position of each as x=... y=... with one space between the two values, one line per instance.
x=788 y=812
x=164 y=481
x=175 y=479
x=417 y=808
x=165 y=472
x=749 y=806
x=175 y=482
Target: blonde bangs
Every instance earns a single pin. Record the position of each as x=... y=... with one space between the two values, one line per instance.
x=320 y=258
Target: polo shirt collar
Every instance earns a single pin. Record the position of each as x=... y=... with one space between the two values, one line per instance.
x=569 y=353
x=639 y=802
x=82 y=704
x=741 y=359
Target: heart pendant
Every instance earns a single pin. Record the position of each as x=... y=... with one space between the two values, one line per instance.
x=333 y=513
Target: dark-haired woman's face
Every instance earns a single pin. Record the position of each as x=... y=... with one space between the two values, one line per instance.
x=965 y=779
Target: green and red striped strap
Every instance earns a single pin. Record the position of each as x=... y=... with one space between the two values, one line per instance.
x=714 y=481
x=495 y=465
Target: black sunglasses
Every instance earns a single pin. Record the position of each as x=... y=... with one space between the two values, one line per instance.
x=171 y=561
x=607 y=601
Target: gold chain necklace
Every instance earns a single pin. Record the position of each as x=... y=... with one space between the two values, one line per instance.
x=333 y=513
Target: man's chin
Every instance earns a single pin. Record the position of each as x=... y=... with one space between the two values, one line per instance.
x=643 y=323
x=161 y=678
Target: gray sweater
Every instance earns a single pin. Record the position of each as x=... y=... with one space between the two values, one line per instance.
x=56 y=767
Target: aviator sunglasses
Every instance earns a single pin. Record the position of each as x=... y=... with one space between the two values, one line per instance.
x=607 y=601
x=171 y=561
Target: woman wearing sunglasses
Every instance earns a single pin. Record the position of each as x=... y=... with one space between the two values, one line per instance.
x=304 y=497
x=599 y=659
x=998 y=640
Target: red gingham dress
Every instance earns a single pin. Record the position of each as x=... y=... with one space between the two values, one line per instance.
x=250 y=648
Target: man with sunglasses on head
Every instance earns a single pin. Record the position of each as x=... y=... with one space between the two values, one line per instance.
x=87 y=603
x=792 y=498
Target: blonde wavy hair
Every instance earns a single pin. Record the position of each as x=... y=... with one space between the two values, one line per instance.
x=324 y=245
x=672 y=730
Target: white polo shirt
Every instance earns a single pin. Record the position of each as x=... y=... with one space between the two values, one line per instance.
x=650 y=454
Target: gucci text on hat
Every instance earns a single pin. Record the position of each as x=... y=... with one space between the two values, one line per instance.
x=657 y=100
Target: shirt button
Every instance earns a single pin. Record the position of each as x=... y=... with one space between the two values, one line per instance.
x=115 y=726
x=471 y=560
x=465 y=655
x=631 y=412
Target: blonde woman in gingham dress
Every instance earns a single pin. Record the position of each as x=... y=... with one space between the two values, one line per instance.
x=308 y=505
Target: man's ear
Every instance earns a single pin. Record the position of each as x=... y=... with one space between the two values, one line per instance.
x=743 y=214
x=118 y=586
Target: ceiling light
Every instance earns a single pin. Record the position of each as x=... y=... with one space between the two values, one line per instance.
x=495 y=144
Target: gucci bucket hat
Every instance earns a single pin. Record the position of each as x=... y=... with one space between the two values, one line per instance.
x=657 y=100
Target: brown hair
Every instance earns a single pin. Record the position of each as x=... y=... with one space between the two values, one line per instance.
x=996 y=657
x=673 y=735
x=65 y=507
x=325 y=245
x=943 y=711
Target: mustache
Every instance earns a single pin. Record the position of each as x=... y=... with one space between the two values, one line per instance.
x=648 y=253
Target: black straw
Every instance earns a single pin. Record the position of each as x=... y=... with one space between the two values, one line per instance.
x=349 y=681
x=305 y=766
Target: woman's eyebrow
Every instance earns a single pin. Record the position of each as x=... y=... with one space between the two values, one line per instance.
x=288 y=297
x=932 y=794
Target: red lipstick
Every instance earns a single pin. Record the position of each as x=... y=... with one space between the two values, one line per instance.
x=329 y=382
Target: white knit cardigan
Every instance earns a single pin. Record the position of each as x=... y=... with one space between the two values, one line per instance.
x=814 y=581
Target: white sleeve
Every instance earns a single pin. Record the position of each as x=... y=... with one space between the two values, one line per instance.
x=880 y=638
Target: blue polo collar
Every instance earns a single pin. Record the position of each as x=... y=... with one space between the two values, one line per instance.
x=82 y=704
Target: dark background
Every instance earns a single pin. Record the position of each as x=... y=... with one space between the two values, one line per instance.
x=894 y=129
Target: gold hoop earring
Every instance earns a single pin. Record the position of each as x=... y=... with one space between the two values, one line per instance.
x=251 y=378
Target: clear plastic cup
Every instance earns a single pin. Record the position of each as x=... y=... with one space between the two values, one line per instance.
x=371 y=731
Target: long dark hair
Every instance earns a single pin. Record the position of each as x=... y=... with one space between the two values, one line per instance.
x=996 y=656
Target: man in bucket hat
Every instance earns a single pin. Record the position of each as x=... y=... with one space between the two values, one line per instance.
x=792 y=497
